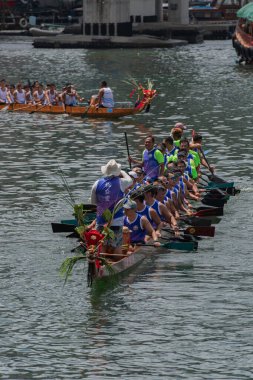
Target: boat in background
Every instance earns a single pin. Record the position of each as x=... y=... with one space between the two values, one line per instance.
x=86 y=111
x=214 y=10
x=46 y=30
x=243 y=36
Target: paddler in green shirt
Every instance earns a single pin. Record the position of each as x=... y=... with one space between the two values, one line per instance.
x=190 y=164
x=177 y=133
x=196 y=145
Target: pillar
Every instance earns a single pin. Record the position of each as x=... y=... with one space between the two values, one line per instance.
x=107 y=18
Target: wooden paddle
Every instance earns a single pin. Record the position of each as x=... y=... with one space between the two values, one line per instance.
x=196 y=221
x=5 y=108
x=214 y=202
x=60 y=227
x=127 y=146
x=216 y=211
x=21 y=108
x=38 y=109
x=181 y=246
x=196 y=231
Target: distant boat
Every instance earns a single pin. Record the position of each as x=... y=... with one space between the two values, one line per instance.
x=46 y=30
x=214 y=10
x=243 y=37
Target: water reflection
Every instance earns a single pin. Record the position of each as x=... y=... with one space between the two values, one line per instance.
x=177 y=314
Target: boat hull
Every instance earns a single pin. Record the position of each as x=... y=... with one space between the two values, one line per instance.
x=243 y=45
x=38 y=32
x=83 y=111
x=125 y=264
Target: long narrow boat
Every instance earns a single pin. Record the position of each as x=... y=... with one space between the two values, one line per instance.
x=85 y=111
x=115 y=268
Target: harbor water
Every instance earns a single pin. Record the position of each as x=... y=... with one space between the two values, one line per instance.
x=178 y=315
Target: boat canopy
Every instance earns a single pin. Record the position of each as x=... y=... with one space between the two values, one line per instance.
x=246 y=12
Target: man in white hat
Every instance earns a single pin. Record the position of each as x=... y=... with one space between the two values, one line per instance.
x=105 y=193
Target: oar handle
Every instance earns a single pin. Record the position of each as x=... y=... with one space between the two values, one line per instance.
x=127 y=146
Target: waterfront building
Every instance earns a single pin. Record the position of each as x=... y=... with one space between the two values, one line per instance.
x=115 y=17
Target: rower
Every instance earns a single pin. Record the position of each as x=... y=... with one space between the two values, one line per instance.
x=11 y=93
x=162 y=211
x=191 y=186
x=70 y=97
x=169 y=199
x=196 y=145
x=4 y=97
x=40 y=96
x=170 y=146
x=185 y=144
x=19 y=95
x=144 y=210
x=28 y=94
x=138 y=225
x=177 y=133
x=52 y=94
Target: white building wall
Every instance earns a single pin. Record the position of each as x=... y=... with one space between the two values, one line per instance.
x=142 y=7
x=106 y=11
x=178 y=11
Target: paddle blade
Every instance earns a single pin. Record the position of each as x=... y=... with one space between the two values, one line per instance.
x=180 y=246
x=59 y=227
x=4 y=108
x=214 y=211
x=196 y=221
x=213 y=202
x=200 y=231
x=214 y=185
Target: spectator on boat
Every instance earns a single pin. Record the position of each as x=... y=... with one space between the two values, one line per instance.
x=106 y=193
x=19 y=94
x=70 y=97
x=152 y=160
x=138 y=225
x=4 y=97
x=40 y=96
x=104 y=98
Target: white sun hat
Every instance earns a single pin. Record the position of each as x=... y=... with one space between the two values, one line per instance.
x=112 y=168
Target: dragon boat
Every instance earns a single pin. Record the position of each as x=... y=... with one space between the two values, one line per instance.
x=243 y=37
x=143 y=104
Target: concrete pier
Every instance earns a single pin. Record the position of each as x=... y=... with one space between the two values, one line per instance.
x=88 y=42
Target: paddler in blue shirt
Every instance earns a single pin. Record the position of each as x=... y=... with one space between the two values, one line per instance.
x=170 y=146
x=138 y=225
x=152 y=160
x=144 y=210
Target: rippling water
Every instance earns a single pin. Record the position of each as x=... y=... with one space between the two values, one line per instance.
x=179 y=316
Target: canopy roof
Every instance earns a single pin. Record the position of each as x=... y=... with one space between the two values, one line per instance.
x=246 y=12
